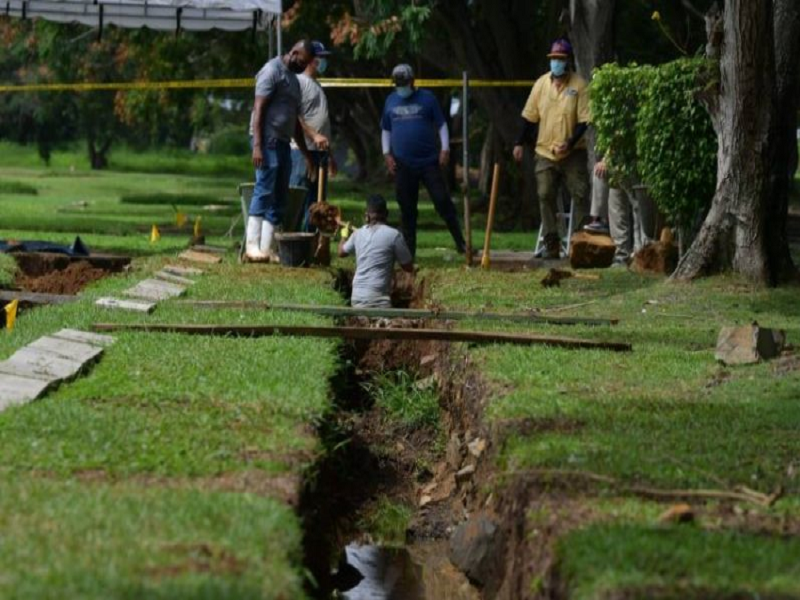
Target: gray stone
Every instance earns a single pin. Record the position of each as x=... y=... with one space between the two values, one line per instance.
x=477 y=548
x=465 y=473
x=16 y=390
x=85 y=337
x=141 y=306
x=38 y=364
x=748 y=344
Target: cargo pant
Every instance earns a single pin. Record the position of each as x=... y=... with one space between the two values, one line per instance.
x=573 y=172
x=631 y=220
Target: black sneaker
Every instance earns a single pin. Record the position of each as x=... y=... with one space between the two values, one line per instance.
x=597 y=226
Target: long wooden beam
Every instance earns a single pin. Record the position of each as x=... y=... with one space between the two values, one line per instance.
x=397 y=313
x=368 y=333
x=33 y=298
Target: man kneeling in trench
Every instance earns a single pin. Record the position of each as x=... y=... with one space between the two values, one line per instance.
x=376 y=246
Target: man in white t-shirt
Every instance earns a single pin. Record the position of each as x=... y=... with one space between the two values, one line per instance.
x=376 y=246
x=314 y=112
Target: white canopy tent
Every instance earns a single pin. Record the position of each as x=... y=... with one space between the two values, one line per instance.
x=162 y=15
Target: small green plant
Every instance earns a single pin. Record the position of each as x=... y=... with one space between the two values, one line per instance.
x=405 y=399
x=17 y=187
x=387 y=521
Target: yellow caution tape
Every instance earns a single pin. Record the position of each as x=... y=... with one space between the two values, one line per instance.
x=329 y=82
x=11 y=314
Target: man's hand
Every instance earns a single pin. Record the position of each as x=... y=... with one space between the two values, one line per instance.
x=601 y=169
x=562 y=148
x=391 y=164
x=518 y=152
x=258 y=157
x=320 y=141
x=444 y=158
x=333 y=168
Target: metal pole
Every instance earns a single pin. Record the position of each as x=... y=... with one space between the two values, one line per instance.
x=465 y=165
x=278 y=20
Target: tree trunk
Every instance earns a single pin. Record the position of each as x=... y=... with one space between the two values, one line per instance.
x=591 y=29
x=734 y=233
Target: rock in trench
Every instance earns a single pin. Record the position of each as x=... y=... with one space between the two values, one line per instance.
x=477 y=549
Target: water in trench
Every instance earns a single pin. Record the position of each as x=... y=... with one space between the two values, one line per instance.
x=420 y=571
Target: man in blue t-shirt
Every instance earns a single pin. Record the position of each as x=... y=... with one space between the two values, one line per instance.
x=411 y=120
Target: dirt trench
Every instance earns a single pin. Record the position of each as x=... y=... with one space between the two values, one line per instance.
x=46 y=273
x=445 y=474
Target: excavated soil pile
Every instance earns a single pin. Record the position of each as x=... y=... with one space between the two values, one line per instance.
x=659 y=258
x=69 y=280
x=324 y=216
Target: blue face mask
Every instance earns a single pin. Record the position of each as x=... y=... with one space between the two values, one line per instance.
x=558 y=67
x=405 y=91
x=322 y=65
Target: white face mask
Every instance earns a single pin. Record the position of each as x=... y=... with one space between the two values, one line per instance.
x=404 y=91
x=322 y=65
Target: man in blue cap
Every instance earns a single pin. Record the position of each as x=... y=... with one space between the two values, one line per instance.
x=314 y=113
x=416 y=145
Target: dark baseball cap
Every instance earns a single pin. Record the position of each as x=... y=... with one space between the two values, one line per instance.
x=402 y=74
x=320 y=49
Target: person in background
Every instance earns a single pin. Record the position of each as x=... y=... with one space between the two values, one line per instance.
x=273 y=122
x=411 y=120
x=554 y=121
x=631 y=216
x=598 y=215
x=314 y=112
x=376 y=246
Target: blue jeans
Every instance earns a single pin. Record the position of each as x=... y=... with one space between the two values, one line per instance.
x=272 y=182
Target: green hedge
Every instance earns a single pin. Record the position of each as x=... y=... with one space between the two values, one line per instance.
x=651 y=127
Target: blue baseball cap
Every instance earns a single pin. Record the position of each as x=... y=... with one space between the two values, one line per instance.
x=319 y=49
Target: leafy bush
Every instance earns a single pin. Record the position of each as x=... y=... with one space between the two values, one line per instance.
x=676 y=143
x=651 y=127
x=616 y=95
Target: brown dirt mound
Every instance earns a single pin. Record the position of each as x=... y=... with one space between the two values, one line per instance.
x=69 y=280
x=591 y=251
x=324 y=216
x=659 y=257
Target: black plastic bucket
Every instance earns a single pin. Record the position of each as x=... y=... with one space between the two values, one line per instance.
x=295 y=249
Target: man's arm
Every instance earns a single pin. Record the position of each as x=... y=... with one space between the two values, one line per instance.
x=580 y=130
x=259 y=108
x=444 y=139
x=528 y=132
x=347 y=245
x=319 y=140
x=402 y=254
x=386 y=146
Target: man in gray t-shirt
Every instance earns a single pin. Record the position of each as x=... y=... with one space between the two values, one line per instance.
x=377 y=246
x=273 y=122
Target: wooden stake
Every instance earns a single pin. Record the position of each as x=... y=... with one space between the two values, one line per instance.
x=369 y=333
x=396 y=313
x=321 y=184
x=485 y=262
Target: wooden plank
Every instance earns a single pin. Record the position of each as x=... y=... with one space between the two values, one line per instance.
x=401 y=313
x=209 y=249
x=132 y=305
x=201 y=257
x=85 y=337
x=182 y=271
x=16 y=390
x=68 y=349
x=33 y=298
x=39 y=364
x=366 y=333
x=155 y=289
x=169 y=277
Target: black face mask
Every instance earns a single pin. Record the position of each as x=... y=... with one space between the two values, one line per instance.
x=296 y=67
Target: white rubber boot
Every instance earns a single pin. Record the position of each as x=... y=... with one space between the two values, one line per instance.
x=267 y=246
x=252 y=249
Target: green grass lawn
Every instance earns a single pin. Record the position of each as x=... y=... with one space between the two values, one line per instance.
x=164 y=471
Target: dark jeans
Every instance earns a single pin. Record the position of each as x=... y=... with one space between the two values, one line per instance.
x=272 y=182
x=407 y=180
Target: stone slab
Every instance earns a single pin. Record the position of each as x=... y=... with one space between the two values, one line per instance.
x=209 y=249
x=154 y=289
x=201 y=257
x=169 y=277
x=182 y=271
x=748 y=344
x=39 y=364
x=132 y=305
x=86 y=337
x=76 y=351
x=16 y=390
